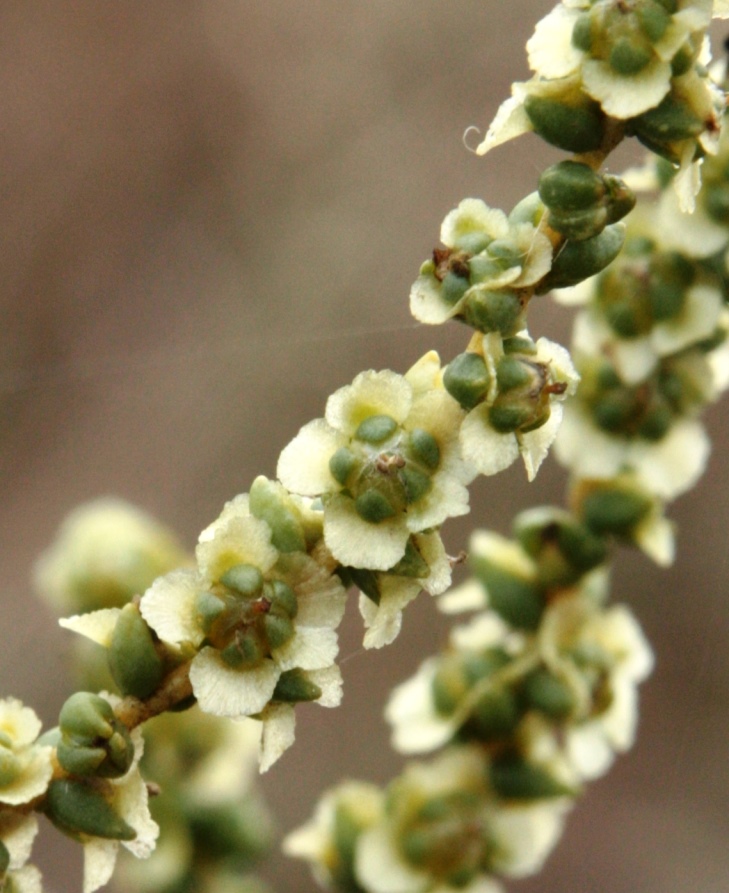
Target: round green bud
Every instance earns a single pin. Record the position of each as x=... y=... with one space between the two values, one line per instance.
x=373 y=507
x=670 y=121
x=506 y=417
x=495 y=714
x=376 y=429
x=494 y=310
x=514 y=372
x=484 y=268
x=615 y=411
x=134 y=663
x=579 y=260
x=282 y=596
x=514 y=778
x=545 y=692
x=243 y=578
x=520 y=344
x=529 y=210
x=520 y=602
x=208 y=608
x=570 y=186
x=279 y=629
x=582 y=32
x=268 y=503
x=246 y=650
x=415 y=482
x=628 y=57
x=620 y=199
x=424 y=448
x=342 y=464
x=612 y=510
x=467 y=379
x=76 y=807
x=506 y=252
x=571 y=127
x=86 y=717
x=453 y=288
x=10 y=766
x=294 y=686
x=654 y=19
x=578 y=225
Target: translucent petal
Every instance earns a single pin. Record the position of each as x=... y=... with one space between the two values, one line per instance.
x=96 y=625
x=279 y=730
x=622 y=96
x=550 y=50
x=510 y=121
x=310 y=648
x=486 y=449
x=380 y=868
x=168 y=606
x=303 y=466
x=356 y=543
x=223 y=691
x=371 y=393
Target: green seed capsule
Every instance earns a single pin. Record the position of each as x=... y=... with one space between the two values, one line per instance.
x=520 y=602
x=670 y=121
x=467 y=379
x=415 y=482
x=513 y=778
x=513 y=372
x=76 y=808
x=424 y=448
x=582 y=32
x=79 y=760
x=627 y=57
x=494 y=310
x=570 y=186
x=372 y=506
x=279 y=629
x=134 y=663
x=294 y=686
x=342 y=464
x=580 y=260
x=570 y=127
x=548 y=694
x=453 y=288
x=86 y=716
x=507 y=418
x=282 y=596
x=376 y=429
x=614 y=511
x=267 y=503
x=243 y=578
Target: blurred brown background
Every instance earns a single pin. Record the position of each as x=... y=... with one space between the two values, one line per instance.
x=211 y=214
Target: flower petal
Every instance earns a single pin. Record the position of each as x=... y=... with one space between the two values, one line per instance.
x=223 y=691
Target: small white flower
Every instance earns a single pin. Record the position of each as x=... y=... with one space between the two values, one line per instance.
x=17 y=833
x=397 y=438
x=25 y=767
x=105 y=552
x=491 y=451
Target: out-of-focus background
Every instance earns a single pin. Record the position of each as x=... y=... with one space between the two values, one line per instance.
x=210 y=215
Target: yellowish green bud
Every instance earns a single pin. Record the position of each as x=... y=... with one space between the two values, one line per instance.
x=376 y=429
x=267 y=502
x=545 y=692
x=424 y=448
x=514 y=778
x=416 y=483
x=373 y=506
x=574 y=126
x=342 y=464
x=467 y=379
x=86 y=716
x=579 y=260
x=76 y=807
x=610 y=508
x=134 y=662
x=520 y=602
x=294 y=686
x=243 y=578
x=279 y=629
x=494 y=310
x=93 y=741
x=282 y=597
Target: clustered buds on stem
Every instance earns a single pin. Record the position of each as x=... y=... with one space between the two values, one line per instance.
x=537 y=693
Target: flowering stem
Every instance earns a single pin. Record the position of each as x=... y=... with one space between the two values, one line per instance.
x=175 y=689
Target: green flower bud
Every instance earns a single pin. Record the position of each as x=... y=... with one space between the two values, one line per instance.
x=424 y=448
x=579 y=260
x=494 y=310
x=243 y=578
x=570 y=186
x=416 y=483
x=467 y=379
x=577 y=126
x=514 y=778
x=582 y=32
x=282 y=597
x=519 y=344
x=76 y=807
x=515 y=372
x=86 y=717
x=376 y=429
x=507 y=417
x=412 y=564
x=495 y=715
x=134 y=662
x=520 y=602
x=208 y=608
x=545 y=692
x=657 y=420
x=93 y=741
x=294 y=686
x=670 y=121
x=542 y=531
x=453 y=288
x=279 y=629
x=654 y=19
x=372 y=506
x=611 y=509
x=268 y=503
x=342 y=464
x=628 y=57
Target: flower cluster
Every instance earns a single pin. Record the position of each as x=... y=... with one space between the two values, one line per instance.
x=607 y=67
